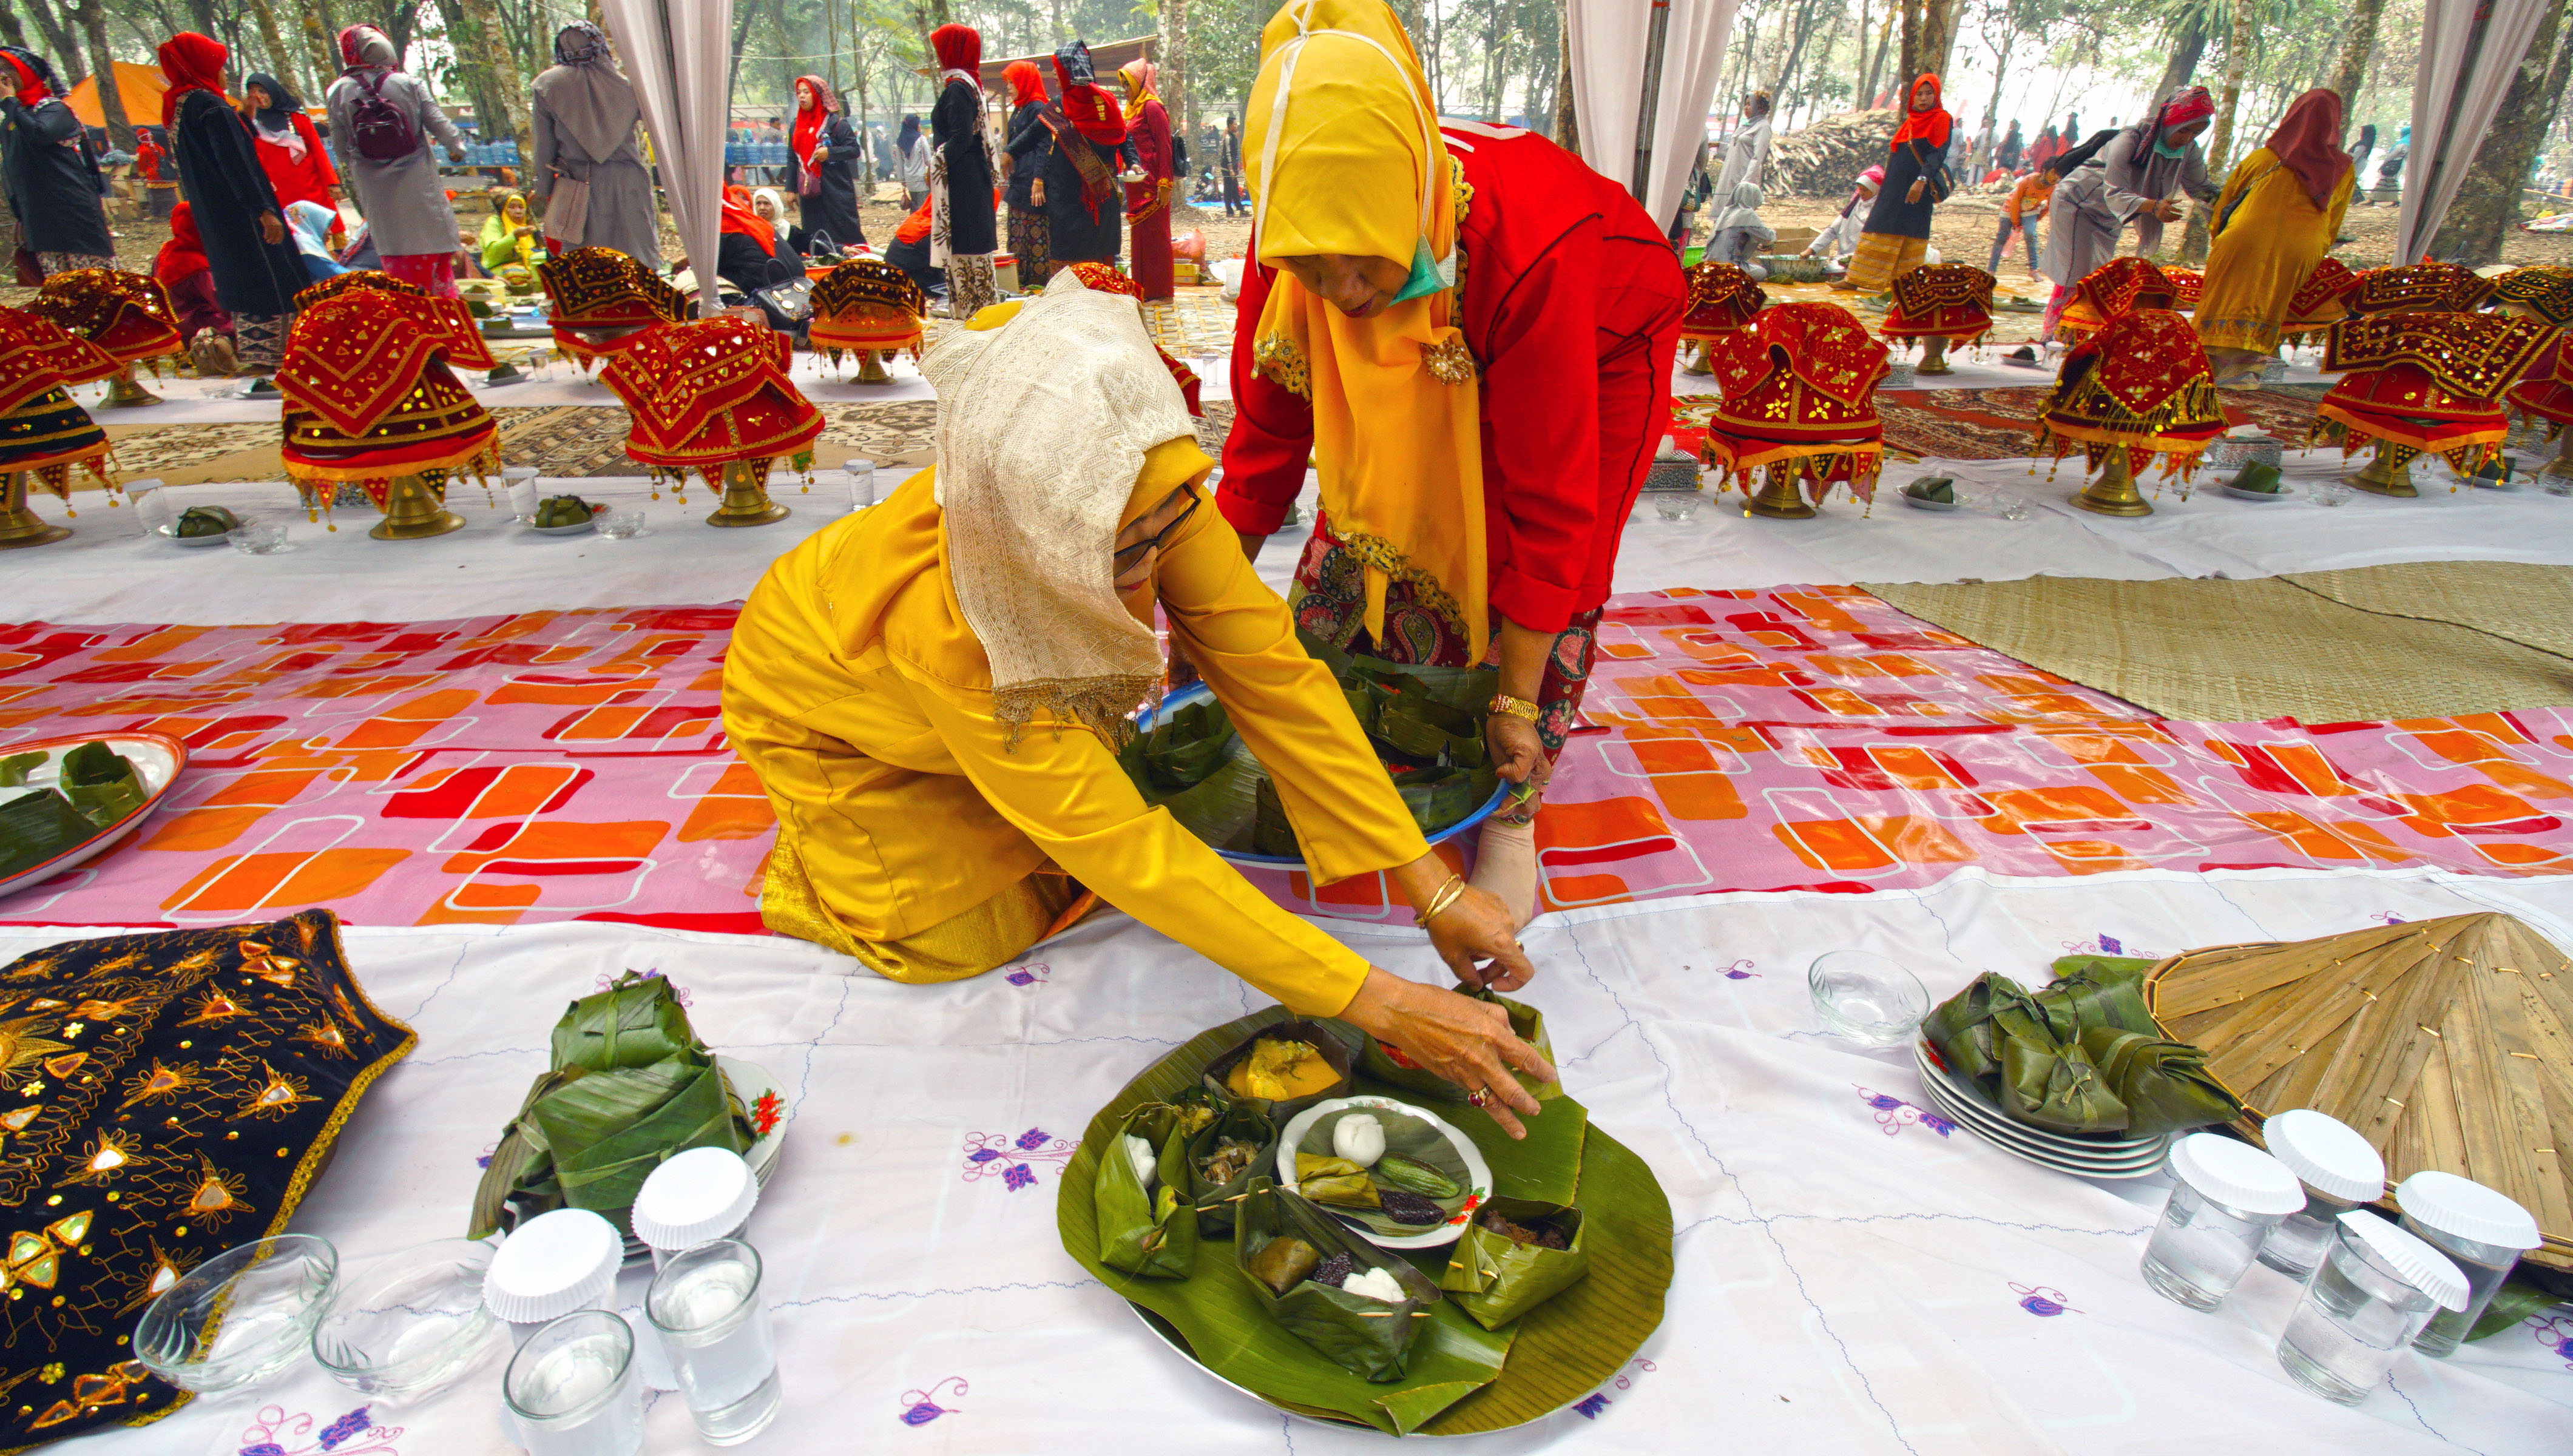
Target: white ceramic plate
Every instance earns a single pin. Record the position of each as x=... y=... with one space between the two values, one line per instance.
x=575 y=528
x=2149 y=1154
x=171 y=534
x=2229 y=488
x=1478 y=1172
x=157 y=759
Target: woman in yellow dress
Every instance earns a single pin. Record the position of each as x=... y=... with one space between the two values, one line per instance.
x=931 y=690
x=2275 y=220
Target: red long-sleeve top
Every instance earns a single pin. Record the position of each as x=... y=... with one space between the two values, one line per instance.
x=1561 y=270
x=309 y=178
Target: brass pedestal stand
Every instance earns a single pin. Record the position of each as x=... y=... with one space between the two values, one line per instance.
x=745 y=500
x=413 y=511
x=20 y=526
x=2115 y=494
x=1778 y=498
x=125 y=393
x=1699 y=358
x=1933 y=357
x=2383 y=478
x=872 y=372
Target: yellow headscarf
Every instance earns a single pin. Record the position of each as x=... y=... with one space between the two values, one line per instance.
x=1340 y=142
x=1140 y=75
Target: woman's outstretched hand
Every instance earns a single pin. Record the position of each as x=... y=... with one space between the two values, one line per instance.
x=1472 y=926
x=1467 y=1041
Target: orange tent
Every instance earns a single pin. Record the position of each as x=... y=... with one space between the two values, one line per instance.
x=139 y=87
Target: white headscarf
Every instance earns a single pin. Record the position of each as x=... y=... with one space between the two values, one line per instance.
x=1032 y=515
x=1745 y=212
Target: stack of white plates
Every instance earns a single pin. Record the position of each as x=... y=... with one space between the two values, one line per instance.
x=2090 y=1155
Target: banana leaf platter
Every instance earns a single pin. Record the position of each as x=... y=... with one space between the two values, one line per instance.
x=1410 y=1131
x=1553 y=1355
x=132 y=770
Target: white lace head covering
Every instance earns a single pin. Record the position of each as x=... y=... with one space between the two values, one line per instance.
x=1042 y=425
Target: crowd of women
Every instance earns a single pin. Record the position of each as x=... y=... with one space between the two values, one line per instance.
x=265 y=196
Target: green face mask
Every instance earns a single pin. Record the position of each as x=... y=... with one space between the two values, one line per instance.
x=2174 y=152
x=1428 y=275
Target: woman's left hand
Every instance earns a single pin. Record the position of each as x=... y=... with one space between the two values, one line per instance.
x=1477 y=926
x=1920 y=185
x=1518 y=753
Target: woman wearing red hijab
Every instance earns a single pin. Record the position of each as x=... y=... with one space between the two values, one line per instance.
x=2277 y=219
x=963 y=234
x=1895 y=238
x=824 y=152
x=48 y=171
x=186 y=278
x=256 y=269
x=1084 y=140
x=1029 y=144
x=1148 y=201
x=749 y=256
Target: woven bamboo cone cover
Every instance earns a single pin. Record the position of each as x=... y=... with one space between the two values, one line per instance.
x=2448 y=1044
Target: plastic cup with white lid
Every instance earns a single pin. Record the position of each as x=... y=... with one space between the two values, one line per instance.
x=2339 y=1171
x=2483 y=1230
x=2226 y=1198
x=2376 y=1286
x=696 y=1198
x=554 y=1264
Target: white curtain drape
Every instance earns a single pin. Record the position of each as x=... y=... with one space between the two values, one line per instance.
x=1609 y=39
x=676 y=53
x=2470 y=52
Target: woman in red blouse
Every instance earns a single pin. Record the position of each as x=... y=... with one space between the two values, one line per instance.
x=1471 y=333
x=290 y=150
x=1147 y=202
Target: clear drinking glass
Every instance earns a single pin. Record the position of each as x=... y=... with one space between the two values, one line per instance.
x=1867 y=998
x=241 y=1316
x=620 y=523
x=1676 y=505
x=571 y=1390
x=2202 y=1248
x=2354 y=1317
x=258 y=538
x=705 y=1306
x=2301 y=1239
x=520 y=481
x=2485 y=1266
x=151 y=506
x=2331 y=492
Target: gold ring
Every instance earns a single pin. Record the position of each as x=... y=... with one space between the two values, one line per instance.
x=1480 y=1098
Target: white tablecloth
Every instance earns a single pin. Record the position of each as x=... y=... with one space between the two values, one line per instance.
x=1848 y=1280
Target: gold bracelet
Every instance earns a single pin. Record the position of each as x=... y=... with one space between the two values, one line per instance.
x=1504 y=703
x=1447 y=895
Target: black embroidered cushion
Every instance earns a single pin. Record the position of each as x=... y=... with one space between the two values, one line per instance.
x=163 y=1098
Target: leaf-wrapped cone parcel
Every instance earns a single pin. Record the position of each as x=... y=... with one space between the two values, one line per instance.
x=2046 y=1083
x=637 y=1020
x=1496 y=1279
x=1149 y=1232
x=1181 y=749
x=1960 y=1027
x=100 y=783
x=2164 y=1083
x=1387 y=1064
x=610 y=1129
x=1367 y=1337
x=2098 y=990
x=1337 y=1181
x=1333 y=1050
x=15 y=768
x=1238 y=1126
x=35 y=826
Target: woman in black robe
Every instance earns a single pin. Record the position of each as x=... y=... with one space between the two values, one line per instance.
x=1029 y=145
x=1897 y=235
x=964 y=231
x=1085 y=139
x=750 y=256
x=256 y=269
x=48 y=171
x=824 y=147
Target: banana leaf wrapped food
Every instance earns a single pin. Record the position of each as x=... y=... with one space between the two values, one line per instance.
x=1514 y=1256
x=35 y=826
x=2050 y=1084
x=1417 y=1182
x=1289 y=1252
x=1387 y=1063
x=1238 y=1144
x=2082 y=1055
x=2164 y=1083
x=629 y=1086
x=563 y=510
x=1282 y=1069
x=205 y=520
x=1181 y=749
x=100 y=783
x=2101 y=990
x=1147 y=1223
x=15 y=768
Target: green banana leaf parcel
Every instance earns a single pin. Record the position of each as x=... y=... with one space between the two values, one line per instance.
x=1367 y=1338
x=1457 y=1377
x=1150 y=1232
x=1388 y=1066
x=2082 y=1055
x=1495 y=1279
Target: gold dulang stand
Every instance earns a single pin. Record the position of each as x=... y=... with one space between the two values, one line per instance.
x=1699 y=357
x=2115 y=494
x=414 y=512
x=1779 y=499
x=872 y=371
x=2381 y=476
x=126 y=392
x=20 y=526
x=745 y=499
x=2561 y=466
x=1934 y=355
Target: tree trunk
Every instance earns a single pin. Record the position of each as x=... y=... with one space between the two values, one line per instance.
x=2356 y=45
x=1177 y=95
x=2220 y=142
x=2188 y=47
x=1804 y=25
x=1567 y=125
x=2489 y=197
x=1992 y=113
x=319 y=46
x=58 y=36
x=111 y=97
x=508 y=88
x=1865 y=100
x=1938 y=36
x=265 y=15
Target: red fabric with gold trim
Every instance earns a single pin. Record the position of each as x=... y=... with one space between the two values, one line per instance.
x=2436 y=287
x=465 y=347
x=1105 y=278
x=1721 y=299
x=867 y=304
x=350 y=357
x=2140 y=384
x=601 y=299
x=2428 y=383
x=2187 y=287
x=2546 y=390
x=127 y=314
x=1799 y=385
x=2112 y=291
x=1950 y=301
x=2544 y=290
x=2319 y=301
x=37 y=355
x=706 y=393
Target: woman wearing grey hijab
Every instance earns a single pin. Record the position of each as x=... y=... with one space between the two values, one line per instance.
x=400 y=193
x=584 y=133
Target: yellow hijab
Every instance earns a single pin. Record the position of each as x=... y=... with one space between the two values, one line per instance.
x=1140 y=75
x=1340 y=142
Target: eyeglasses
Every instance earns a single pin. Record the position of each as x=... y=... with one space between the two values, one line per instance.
x=1123 y=561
